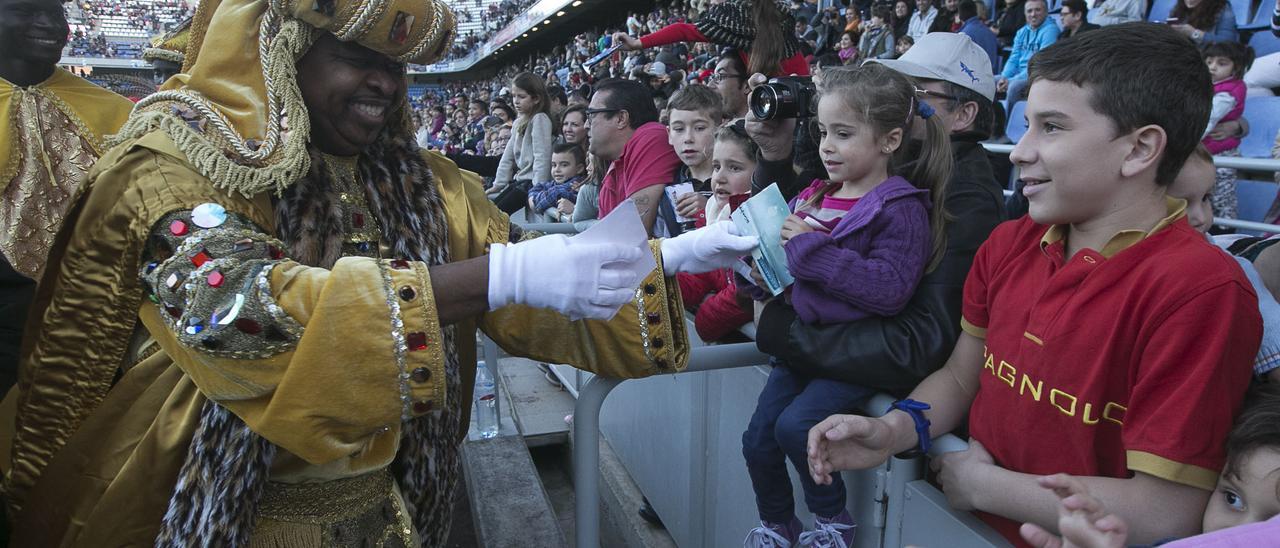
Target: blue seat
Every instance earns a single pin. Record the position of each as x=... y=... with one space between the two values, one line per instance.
x=1241 y=9
x=1160 y=10
x=1263 y=114
x=1261 y=19
x=1255 y=198
x=1017 y=126
x=1263 y=42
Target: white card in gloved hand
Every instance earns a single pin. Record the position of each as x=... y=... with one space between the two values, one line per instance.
x=622 y=226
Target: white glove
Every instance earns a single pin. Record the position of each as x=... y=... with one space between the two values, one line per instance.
x=579 y=281
x=711 y=247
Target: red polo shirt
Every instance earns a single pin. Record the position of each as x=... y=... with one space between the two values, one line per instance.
x=1132 y=359
x=647 y=159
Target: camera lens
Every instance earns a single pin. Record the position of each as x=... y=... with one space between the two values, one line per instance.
x=764 y=102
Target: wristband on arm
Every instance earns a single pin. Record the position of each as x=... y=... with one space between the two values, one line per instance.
x=916 y=410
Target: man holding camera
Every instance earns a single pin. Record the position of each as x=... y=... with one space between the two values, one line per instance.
x=894 y=353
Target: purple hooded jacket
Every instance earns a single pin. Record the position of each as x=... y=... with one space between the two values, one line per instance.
x=871 y=262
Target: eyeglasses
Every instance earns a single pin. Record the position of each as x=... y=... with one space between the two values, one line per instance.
x=591 y=112
x=938 y=94
x=717 y=76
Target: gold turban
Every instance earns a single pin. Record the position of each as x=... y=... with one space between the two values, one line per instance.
x=236 y=111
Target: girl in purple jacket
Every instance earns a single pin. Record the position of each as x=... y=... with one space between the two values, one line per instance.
x=857 y=245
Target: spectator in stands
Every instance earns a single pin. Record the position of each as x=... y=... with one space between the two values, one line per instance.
x=730 y=80
x=1227 y=62
x=857 y=245
x=573 y=129
x=477 y=111
x=1029 y=40
x=527 y=157
x=1241 y=512
x=1204 y=21
x=1012 y=18
x=901 y=17
x=568 y=170
x=714 y=295
x=922 y=19
x=847 y=51
x=584 y=211
x=503 y=111
x=977 y=30
x=52 y=131
x=945 y=21
x=626 y=136
x=1111 y=219
x=877 y=36
x=1114 y=12
x=696 y=112
x=559 y=100
x=1075 y=18
x=904 y=44
x=758 y=31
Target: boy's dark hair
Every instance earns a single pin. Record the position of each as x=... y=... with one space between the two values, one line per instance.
x=968 y=10
x=1257 y=427
x=884 y=12
x=1078 y=6
x=637 y=100
x=1126 y=69
x=735 y=61
x=1240 y=55
x=828 y=59
x=700 y=98
x=579 y=155
x=484 y=107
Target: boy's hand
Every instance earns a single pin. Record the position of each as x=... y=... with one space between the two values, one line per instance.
x=564 y=206
x=1082 y=519
x=689 y=204
x=960 y=474
x=848 y=442
x=775 y=137
x=792 y=226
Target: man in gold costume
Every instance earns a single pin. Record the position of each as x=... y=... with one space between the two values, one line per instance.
x=257 y=328
x=52 y=126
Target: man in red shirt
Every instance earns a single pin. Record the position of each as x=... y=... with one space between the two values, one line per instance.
x=1102 y=336
x=625 y=135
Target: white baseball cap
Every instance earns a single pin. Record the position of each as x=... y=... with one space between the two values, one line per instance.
x=948 y=56
x=658 y=68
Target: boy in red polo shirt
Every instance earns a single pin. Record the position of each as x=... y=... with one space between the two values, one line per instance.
x=1103 y=337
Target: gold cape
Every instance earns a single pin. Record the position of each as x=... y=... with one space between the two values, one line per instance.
x=52 y=133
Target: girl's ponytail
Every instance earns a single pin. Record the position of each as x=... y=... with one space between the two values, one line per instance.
x=932 y=170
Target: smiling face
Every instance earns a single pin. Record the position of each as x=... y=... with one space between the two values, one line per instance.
x=565 y=166
x=1249 y=498
x=692 y=135
x=32 y=33
x=574 y=128
x=846 y=41
x=901 y=9
x=349 y=91
x=1070 y=157
x=923 y=6
x=1036 y=11
x=850 y=149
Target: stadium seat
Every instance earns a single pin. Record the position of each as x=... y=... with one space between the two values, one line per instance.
x=1160 y=10
x=1241 y=9
x=1017 y=126
x=1263 y=114
x=1261 y=19
x=1255 y=198
x=1263 y=43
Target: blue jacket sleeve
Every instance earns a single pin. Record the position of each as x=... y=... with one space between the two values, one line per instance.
x=1225 y=30
x=1011 y=69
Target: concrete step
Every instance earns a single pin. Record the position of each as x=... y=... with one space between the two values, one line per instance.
x=508 y=504
x=537 y=406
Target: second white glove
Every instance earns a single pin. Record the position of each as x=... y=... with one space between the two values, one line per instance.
x=577 y=280
x=711 y=247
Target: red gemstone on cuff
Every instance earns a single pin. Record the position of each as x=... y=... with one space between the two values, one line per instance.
x=214 y=279
x=399 y=264
x=178 y=228
x=421 y=407
x=275 y=252
x=248 y=326
x=416 y=341
x=200 y=258
x=357 y=220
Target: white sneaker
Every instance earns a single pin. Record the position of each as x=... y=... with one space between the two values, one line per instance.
x=765 y=537
x=826 y=535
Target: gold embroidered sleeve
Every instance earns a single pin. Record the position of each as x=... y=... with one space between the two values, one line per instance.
x=324 y=363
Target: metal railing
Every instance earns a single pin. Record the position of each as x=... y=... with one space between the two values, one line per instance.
x=1254 y=164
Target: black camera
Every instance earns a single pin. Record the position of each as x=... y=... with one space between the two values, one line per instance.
x=781 y=98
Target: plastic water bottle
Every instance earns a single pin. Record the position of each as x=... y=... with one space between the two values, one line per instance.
x=486 y=403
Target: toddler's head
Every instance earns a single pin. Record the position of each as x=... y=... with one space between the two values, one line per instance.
x=696 y=112
x=1248 y=489
x=1227 y=60
x=1195 y=185
x=567 y=161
